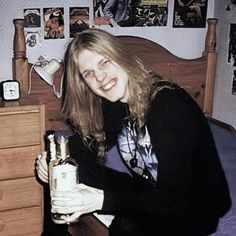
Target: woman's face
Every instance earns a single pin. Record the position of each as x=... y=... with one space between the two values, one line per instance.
x=103 y=76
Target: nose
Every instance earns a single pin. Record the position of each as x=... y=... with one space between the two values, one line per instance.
x=100 y=76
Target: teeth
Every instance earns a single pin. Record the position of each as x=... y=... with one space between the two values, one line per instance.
x=108 y=85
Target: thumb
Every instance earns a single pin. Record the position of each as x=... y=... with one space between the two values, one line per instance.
x=72 y=218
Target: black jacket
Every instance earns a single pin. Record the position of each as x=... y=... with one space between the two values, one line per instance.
x=190 y=193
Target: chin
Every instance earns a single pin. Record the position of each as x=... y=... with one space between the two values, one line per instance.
x=112 y=99
x=115 y=97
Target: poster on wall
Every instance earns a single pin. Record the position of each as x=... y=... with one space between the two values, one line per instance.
x=190 y=13
x=32 y=27
x=32 y=38
x=230 y=4
x=127 y=13
x=234 y=83
x=232 y=45
x=53 y=23
x=79 y=20
x=32 y=18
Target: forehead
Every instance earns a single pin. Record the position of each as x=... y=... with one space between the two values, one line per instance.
x=89 y=53
x=88 y=58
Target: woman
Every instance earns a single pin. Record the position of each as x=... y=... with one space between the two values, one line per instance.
x=175 y=184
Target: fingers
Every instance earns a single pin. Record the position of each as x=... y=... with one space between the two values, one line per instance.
x=71 y=218
x=63 y=194
x=82 y=199
x=42 y=167
x=65 y=210
x=68 y=202
x=60 y=200
x=67 y=205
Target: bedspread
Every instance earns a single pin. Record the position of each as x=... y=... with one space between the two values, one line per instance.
x=226 y=146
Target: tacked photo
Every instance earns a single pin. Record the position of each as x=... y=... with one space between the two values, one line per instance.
x=190 y=14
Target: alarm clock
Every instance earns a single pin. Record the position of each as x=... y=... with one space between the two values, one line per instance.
x=10 y=90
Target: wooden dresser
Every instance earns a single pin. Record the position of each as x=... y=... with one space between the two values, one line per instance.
x=22 y=126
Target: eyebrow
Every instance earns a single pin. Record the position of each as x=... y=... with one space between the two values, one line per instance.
x=99 y=63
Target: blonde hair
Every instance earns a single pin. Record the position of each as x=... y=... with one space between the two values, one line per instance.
x=81 y=107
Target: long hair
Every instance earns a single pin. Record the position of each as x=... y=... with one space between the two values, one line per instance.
x=81 y=107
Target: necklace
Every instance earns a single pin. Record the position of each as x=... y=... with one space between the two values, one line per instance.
x=136 y=150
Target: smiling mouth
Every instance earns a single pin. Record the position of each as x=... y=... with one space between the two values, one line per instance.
x=109 y=85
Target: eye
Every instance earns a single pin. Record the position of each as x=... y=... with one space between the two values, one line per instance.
x=105 y=62
x=88 y=75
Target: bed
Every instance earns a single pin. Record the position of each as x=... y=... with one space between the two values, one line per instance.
x=197 y=76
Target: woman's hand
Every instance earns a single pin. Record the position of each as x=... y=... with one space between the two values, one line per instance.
x=42 y=167
x=83 y=199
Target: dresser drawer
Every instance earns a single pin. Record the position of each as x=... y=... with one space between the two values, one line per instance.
x=18 y=162
x=20 y=127
x=21 y=222
x=20 y=193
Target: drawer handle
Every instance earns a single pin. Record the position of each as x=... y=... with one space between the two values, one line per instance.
x=1 y=225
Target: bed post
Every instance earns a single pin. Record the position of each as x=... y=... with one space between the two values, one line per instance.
x=210 y=53
x=19 y=60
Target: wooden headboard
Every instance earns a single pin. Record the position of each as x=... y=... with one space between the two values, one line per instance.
x=196 y=76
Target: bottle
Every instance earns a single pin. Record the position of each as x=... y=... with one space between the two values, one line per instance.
x=49 y=138
x=62 y=170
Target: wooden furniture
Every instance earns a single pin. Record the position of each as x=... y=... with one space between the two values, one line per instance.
x=22 y=126
x=19 y=60
x=197 y=76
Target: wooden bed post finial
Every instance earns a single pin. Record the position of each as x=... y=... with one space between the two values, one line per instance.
x=19 y=62
x=19 y=47
x=210 y=43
